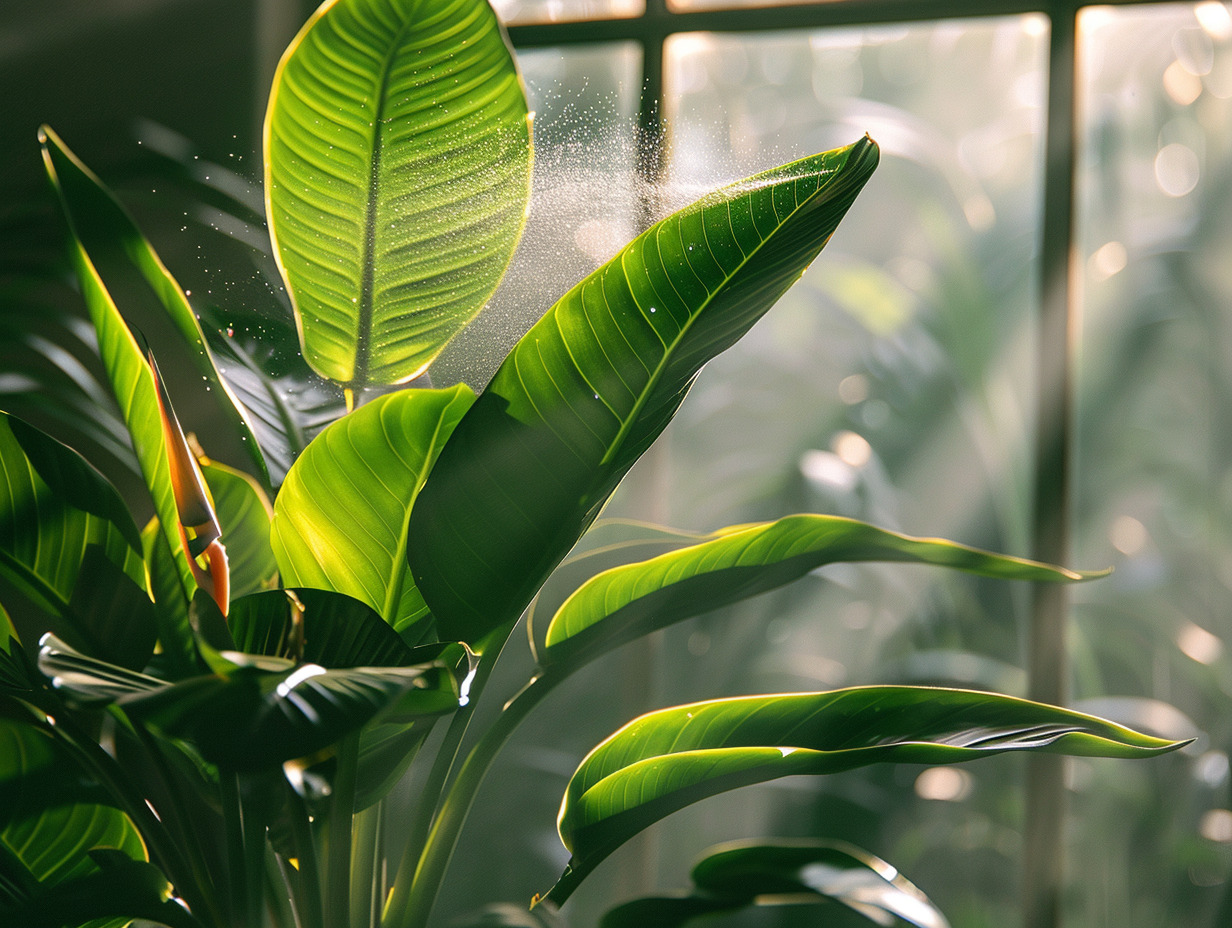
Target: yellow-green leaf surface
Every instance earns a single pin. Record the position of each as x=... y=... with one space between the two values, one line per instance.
x=666 y=760
x=133 y=385
x=397 y=159
x=596 y=380
x=340 y=520
x=625 y=602
x=155 y=304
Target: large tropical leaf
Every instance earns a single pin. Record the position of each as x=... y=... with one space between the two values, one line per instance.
x=820 y=869
x=50 y=821
x=126 y=262
x=69 y=551
x=132 y=384
x=609 y=543
x=397 y=152
x=595 y=381
x=340 y=520
x=666 y=760
x=740 y=874
x=625 y=602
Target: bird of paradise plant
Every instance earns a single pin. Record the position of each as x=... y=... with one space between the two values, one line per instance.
x=201 y=719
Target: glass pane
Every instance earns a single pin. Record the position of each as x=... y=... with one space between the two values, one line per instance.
x=892 y=383
x=584 y=200
x=520 y=12
x=1153 y=490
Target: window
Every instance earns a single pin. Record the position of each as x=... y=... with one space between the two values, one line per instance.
x=917 y=376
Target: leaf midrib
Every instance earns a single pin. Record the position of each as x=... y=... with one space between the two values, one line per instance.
x=363 y=333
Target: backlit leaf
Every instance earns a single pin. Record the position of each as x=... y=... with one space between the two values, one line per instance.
x=596 y=380
x=397 y=151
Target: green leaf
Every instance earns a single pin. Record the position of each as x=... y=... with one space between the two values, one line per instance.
x=823 y=869
x=89 y=680
x=609 y=543
x=120 y=890
x=174 y=630
x=666 y=760
x=51 y=819
x=132 y=382
x=267 y=710
x=626 y=602
x=244 y=512
x=595 y=381
x=126 y=262
x=340 y=520
x=748 y=873
x=397 y=151
x=69 y=551
x=336 y=631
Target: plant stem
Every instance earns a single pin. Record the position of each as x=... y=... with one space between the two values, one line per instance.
x=341 y=815
x=308 y=877
x=409 y=907
x=233 y=822
x=366 y=876
x=434 y=787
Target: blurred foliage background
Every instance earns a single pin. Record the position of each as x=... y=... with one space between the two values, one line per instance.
x=894 y=384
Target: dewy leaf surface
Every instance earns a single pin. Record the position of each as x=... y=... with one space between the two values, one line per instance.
x=397 y=149
x=625 y=602
x=666 y=760
x=595 y=381
x=340 y=520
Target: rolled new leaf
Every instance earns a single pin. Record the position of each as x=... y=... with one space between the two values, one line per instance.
x=397 y=154
x=666 y=760
x=340 y=520
x=596 y=380
x=626 y=602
